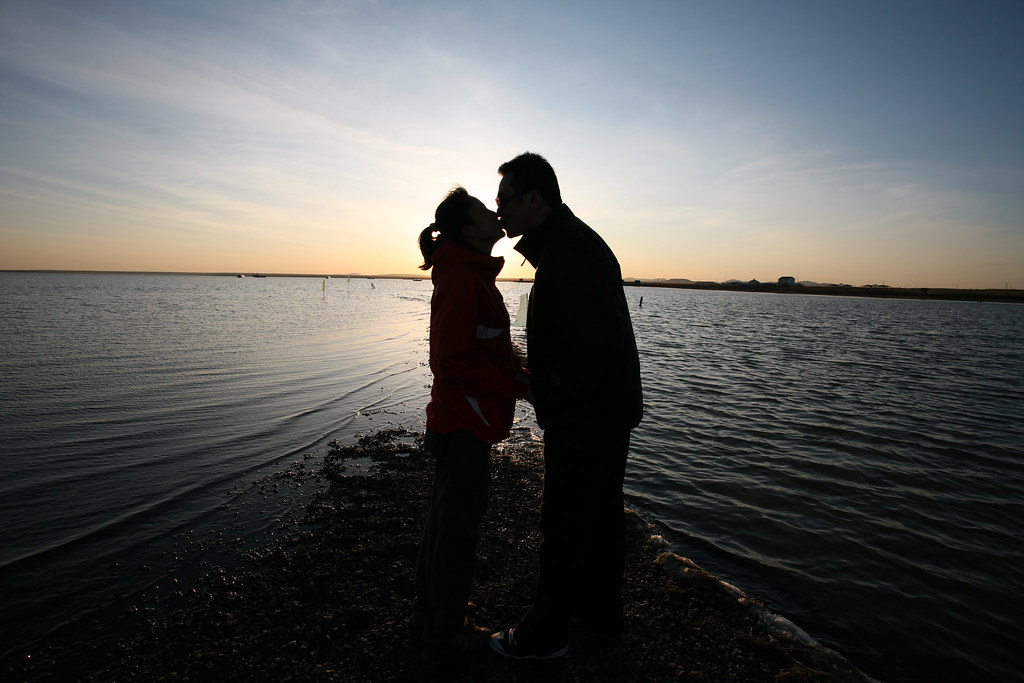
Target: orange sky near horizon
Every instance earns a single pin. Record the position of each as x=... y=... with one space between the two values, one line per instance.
x=822 y=143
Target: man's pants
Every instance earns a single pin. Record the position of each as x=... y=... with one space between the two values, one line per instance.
x=582 y=524
x=447 y=556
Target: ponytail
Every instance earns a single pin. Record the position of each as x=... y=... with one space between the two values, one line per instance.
x=428 y=243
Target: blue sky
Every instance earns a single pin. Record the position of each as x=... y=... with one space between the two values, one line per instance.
x=857 y=142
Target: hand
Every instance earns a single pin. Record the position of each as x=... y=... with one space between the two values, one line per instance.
x=527 y=380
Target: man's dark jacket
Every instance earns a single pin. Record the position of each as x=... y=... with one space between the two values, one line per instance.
x=581 y=351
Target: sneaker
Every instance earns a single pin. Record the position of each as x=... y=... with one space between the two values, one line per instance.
x=506 y=645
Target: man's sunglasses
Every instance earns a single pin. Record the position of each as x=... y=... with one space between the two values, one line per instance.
x=499 y=200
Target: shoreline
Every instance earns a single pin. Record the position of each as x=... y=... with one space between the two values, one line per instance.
x=929 y=293
x=332 y=601
x=877 y=292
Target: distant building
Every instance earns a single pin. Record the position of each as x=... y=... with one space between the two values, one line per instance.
x=787 y=280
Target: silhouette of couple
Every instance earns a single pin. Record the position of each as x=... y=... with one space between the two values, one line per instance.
x=583 y=378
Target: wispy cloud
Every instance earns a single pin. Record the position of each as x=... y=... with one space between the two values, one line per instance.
x=341 y=124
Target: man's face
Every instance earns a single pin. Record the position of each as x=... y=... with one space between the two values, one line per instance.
x=512 y=211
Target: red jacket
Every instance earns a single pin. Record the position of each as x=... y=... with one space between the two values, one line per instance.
x=475 y=386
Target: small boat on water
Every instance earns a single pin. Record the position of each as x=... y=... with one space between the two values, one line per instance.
x=240 y=275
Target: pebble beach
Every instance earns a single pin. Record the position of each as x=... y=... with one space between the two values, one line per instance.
x=332 y=602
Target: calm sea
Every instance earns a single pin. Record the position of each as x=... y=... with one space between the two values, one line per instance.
x=856 y=463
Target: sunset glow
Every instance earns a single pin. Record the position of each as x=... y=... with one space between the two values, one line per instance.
x=834 y=142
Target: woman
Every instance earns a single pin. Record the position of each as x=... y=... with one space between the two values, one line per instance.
x=477 y=378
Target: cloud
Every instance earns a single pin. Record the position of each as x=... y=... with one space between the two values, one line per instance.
x=335 y=127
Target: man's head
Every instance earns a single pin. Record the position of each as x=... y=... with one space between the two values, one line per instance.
x=526 y=194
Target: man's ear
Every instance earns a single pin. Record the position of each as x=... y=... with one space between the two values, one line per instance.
x=535 y=205
x=534 y=201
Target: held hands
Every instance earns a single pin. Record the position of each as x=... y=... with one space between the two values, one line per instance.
x=524 y=378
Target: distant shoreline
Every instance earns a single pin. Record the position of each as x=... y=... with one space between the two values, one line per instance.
x=939 y=293
x=885 y=292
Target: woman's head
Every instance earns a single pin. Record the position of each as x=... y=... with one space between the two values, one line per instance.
x=463 y=218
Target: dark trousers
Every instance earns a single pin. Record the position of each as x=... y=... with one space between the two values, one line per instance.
x=447 y=556
x=582 y=524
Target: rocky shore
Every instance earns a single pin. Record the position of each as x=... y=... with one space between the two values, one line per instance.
x=333 y=603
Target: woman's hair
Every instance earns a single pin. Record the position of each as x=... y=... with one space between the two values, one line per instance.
x=451 y=214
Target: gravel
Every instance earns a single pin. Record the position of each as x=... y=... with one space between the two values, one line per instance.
x=333 y=601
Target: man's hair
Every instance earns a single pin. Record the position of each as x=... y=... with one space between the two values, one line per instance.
x=530 y=171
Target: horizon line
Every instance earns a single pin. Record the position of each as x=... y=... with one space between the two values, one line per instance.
x=425 y=275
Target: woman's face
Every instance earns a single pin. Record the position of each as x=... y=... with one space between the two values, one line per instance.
x=485 y=222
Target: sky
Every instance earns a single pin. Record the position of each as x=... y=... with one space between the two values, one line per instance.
x=842 y=142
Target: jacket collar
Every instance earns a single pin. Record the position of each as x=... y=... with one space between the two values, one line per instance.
x=532 y=244
x=451 y=252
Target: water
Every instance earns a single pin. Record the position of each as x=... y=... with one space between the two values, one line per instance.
x=137 y=409
x=854 y=462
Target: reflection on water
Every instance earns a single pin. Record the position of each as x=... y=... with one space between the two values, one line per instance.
x=856 y=462
x=134 y=405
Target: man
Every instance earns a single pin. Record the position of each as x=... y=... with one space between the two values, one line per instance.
x=586 y=391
